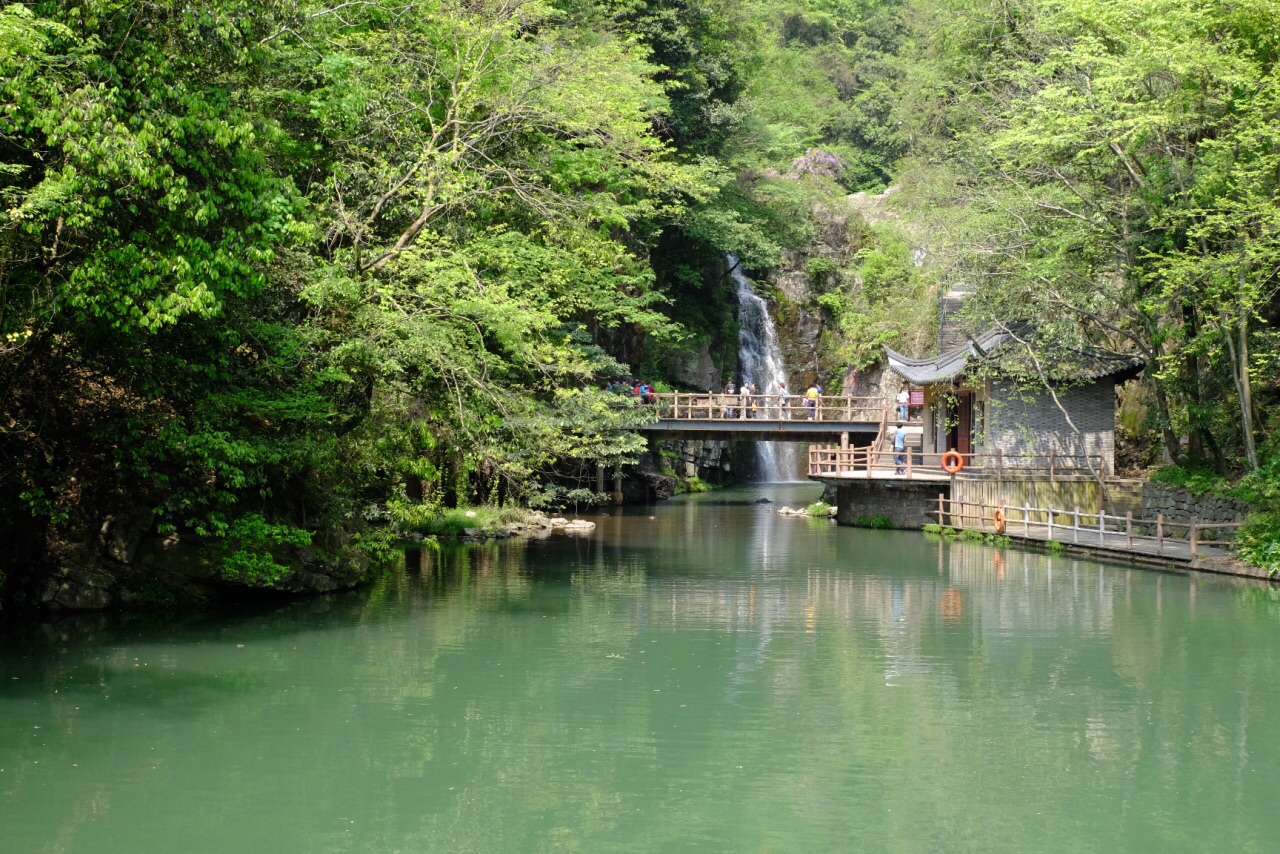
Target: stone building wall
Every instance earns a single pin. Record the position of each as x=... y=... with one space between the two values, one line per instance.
x=1029 y=422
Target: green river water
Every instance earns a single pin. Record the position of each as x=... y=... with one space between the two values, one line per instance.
x=704 y=675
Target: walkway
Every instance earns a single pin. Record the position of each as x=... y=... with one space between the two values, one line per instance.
x=768 y=418
x=1158 y=540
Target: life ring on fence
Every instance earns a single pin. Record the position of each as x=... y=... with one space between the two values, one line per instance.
x=952 y=462
x=997 y=519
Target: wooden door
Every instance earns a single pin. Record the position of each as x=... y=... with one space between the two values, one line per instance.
x=960 y=423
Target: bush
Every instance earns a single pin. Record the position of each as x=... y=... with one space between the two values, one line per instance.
x=1195 y=481
x=693 y=485
x=453 y=523
x=818 y=508
x=878 y=522
x=1259 y=541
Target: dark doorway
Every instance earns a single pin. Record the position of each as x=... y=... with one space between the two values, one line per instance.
x=960 y=422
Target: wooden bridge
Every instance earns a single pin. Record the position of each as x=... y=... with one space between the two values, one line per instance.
x=769 y=417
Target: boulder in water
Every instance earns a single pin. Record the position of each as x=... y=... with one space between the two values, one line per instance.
x=763 y=501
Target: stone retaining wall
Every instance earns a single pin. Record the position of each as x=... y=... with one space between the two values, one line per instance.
x=1180 y=506
x=908 y=505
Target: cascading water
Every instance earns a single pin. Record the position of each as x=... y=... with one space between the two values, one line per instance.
x=760 y=358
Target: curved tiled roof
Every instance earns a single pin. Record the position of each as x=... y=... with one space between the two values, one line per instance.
x=1070 y=364
x=945 y=366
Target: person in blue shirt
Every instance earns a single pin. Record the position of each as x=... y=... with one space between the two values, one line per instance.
x=899 y=448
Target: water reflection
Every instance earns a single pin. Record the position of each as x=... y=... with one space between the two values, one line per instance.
x=716 y=676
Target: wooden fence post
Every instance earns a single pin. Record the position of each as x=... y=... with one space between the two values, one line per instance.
x=1194 y=538
x=1160 y=533
x=1102 y=527
x=1051 y=521
x=1128 y=529
x=1075 y=525
x=940 y=508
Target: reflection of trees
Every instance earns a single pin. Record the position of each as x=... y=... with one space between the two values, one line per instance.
x=633 y=691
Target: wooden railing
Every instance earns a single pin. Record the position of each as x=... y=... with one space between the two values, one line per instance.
x=1161 y=536
x=683 y=406
x=876 y=461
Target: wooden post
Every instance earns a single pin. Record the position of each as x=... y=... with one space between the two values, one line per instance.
x=908 y=450
x=844 y=440
x=982 y=514
x=1075 y=525
x=939 y=508
x=1051 y=521
x=1160 y=533
x=1195 y=539
x=1102 y=527
x=1026 y=514
x=1128 y=529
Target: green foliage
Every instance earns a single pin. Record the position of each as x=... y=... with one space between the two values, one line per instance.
x=822 y=272
x=1196 y=481
x=883 y=523
x=693 y=485
x=251 y=548
x=1258 y=541
x=1054 y=547
x=818 y=508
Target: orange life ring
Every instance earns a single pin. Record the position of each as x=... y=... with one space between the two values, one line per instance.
x=952 y=462
x=998 y=519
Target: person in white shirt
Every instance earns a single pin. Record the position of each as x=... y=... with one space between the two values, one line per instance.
x=904 y=400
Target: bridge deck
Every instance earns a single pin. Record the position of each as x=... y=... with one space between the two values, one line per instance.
x=767 y=417
x=763 y=430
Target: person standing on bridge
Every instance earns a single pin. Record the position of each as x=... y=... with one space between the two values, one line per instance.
x=899 y=449
x=811 y=399
x=729 y=391
x=904 y=404
x=784 y=406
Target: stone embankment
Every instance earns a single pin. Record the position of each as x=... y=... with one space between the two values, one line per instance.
x=825 y=510
x=1180 y=506
x=535 y=525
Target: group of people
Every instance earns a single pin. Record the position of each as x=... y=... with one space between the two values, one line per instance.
x=642 y=391
x=774 y=403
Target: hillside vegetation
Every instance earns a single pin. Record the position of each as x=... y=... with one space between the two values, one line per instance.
x=282 y=279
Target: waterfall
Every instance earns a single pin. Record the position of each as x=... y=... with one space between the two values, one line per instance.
x=760 y=358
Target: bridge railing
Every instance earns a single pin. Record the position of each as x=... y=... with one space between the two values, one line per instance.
x=1091 y=527
x=684 y=406
x=870 y=462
